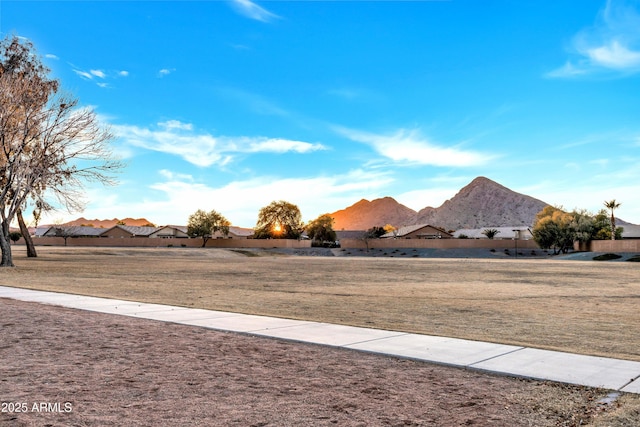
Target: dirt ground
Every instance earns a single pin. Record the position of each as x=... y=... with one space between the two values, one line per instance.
x=67 y=367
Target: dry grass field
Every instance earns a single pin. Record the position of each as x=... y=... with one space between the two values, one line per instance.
x=583 y=307
x=128 y=364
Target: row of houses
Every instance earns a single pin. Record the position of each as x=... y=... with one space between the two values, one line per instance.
x=427 y=231
x=420 y=231
x=124 y=231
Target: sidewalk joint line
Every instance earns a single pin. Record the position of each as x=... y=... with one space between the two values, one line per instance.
x=629 y=382
x=375 y=339
x=496 y=356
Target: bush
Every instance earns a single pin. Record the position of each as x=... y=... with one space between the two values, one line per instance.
x=606 y=257
x=635 y=258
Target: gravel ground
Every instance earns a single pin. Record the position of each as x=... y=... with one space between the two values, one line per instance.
x=64 y=367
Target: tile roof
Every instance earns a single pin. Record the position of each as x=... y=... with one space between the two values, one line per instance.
x=135 y=230
x=72 y=231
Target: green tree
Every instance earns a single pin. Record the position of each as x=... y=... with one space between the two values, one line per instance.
x=320 y=230
x=612 y=205
x=372 y=233
x=602 y=227
x=15 y=236
x=491 y=233
x=279 y=220
x=206 y=224
x=65 y=232
x=582 y=225
x=376 y=232
x=554 y=229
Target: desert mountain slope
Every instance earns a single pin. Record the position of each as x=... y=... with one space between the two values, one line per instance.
x=366 y=214
x=483 y=203
x=107 y=223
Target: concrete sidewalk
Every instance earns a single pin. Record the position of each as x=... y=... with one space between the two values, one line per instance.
x=613 y=374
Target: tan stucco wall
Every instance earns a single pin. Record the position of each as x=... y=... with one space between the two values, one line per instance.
x=439 y=244
x=176 y=242
x=611 y=246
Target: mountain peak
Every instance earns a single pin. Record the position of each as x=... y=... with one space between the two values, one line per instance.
x=481 y=203
x=378 y=212
x=107 y=223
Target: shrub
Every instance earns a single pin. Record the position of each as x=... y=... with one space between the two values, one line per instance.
x=606 y=257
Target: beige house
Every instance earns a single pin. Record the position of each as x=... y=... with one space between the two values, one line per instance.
x=235 y=233
x=170 y=231
x=504 y=233
x=71 y=231
x=122 y=231
x=419 y=231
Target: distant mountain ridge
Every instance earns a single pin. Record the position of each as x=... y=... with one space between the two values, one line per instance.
x=107 y=223
x=481 y=203
x=378 y=212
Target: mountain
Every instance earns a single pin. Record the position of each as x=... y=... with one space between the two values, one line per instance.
x=107 y=223
x=366 y=214
x=483 y=203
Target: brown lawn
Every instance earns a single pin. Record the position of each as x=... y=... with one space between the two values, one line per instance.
x=583 y=307
x=149 y=373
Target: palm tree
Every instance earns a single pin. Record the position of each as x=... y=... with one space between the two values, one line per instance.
x=612 y=205
x=491 y=233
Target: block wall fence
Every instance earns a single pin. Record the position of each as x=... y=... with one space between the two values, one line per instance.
x=630 y=245
x=497 y=244
x=439 y=244
x=146 y=242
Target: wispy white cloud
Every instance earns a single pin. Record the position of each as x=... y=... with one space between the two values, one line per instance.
x=51 y=56
x=612 y=44
x=84 y=74
x=165 y=72
x=170 y=175
x=614 y=55
x=98 y=76
x=203 y=149
x=98 y=73
x=175 y=196
x=411 y=148
x=251 y=10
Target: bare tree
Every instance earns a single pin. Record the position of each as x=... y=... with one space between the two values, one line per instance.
x=49 y=146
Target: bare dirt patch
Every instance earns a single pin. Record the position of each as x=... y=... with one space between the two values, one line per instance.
x=112 y=371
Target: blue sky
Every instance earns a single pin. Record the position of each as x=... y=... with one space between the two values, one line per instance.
x=229 y=105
